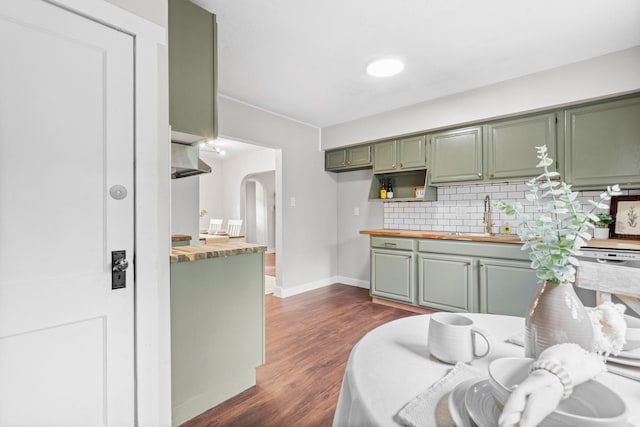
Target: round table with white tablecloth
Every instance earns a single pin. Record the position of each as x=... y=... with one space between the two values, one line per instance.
x=391 y=365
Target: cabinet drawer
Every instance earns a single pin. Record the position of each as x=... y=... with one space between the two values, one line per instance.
x=392 y=243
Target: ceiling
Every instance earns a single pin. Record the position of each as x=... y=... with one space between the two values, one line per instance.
x=306 y=59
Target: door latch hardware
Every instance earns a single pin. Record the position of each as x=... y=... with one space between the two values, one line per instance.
x=119 y=265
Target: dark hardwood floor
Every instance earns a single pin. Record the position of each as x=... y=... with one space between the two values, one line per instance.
x=270 y=264
x=309 y=338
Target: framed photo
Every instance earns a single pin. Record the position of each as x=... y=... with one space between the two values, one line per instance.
x=625 y=211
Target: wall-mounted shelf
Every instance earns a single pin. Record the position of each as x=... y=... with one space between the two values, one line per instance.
x=403 y=184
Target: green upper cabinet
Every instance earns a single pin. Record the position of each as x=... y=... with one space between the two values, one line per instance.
x=400 y=155
x=511 y=145
x=336 y=159
x=348 y=158
x=602 y=144
x=385 y=156
x=412 y=153
x=456 y=155
x=192 y=70
x=359 y=156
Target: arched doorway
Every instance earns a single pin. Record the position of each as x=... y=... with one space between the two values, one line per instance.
x=258 y=207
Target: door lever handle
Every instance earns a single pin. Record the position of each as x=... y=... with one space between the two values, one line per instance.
x=120 y=264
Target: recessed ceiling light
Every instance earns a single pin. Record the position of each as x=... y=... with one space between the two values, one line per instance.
x=385 y=67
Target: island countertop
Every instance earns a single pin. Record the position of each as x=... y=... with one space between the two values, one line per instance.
x=213 y=250
x=593 y=243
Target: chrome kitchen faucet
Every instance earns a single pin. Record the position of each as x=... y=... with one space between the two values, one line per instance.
x=486 y=219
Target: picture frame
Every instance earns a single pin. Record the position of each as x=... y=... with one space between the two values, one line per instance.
x=625 y=211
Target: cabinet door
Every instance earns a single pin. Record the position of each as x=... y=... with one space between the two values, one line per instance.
x=359 y=156
x=412 y=153
x=511 y=146
x=602 y=144
x=506 y=287
x=384 y=156
x=192 y=69
x=335 y=159
x=393 y=275
x=456 y=155
x=445 y=282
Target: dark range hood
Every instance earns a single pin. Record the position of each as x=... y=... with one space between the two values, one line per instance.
x=185 y=160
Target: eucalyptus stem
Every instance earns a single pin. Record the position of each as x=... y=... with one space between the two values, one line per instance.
x=557 y=231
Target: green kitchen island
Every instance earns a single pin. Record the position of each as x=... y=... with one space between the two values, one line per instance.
x=217 y=324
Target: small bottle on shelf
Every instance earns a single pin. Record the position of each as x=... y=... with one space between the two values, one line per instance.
x=383 y=191
x=389 y=190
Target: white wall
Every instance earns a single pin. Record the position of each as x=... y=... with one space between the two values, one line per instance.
x=615 y=73
x=353 y=247
x=184 y=207
x=307 y=232
x=212 y=190
x=235 y=169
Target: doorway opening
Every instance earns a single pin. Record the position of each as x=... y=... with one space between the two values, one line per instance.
x=258 y=207
x=243 y=186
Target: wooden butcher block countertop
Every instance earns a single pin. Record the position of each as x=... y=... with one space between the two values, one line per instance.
x=440 y=236
x=213 y=250
x=593 y=243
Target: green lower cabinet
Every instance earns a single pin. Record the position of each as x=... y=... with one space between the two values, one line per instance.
x=506 y=286
x=445 y=282
x=393 y=275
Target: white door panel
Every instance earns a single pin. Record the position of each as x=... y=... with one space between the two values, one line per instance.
x=66 y=137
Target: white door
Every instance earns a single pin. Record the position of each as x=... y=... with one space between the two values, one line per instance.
x=66 y=138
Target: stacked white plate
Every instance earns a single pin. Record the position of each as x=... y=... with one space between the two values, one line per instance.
x=472 y=403
x=625 y=363
x=627 y=357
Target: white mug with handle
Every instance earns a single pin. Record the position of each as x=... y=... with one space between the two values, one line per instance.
x=452 y=338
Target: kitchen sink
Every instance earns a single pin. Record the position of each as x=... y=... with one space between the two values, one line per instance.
x=510 y=235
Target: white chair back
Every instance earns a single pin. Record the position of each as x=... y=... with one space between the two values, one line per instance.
x=214 y=226
x=234 y=226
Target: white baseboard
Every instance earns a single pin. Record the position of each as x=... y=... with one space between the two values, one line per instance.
x=281 y=292
x=353 y=282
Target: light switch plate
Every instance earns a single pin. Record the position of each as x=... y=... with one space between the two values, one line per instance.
x=292 y=201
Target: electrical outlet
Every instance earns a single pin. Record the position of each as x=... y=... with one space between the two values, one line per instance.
x=292 y=201
x=356 y=211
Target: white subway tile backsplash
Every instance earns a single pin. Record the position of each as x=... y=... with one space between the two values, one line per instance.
x=460 y=208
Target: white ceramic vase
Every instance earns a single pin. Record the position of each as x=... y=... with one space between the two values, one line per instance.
x=601 y=233
x=556 y=315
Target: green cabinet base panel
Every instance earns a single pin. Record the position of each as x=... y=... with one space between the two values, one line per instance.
x=217 y=393
x=217 y=331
